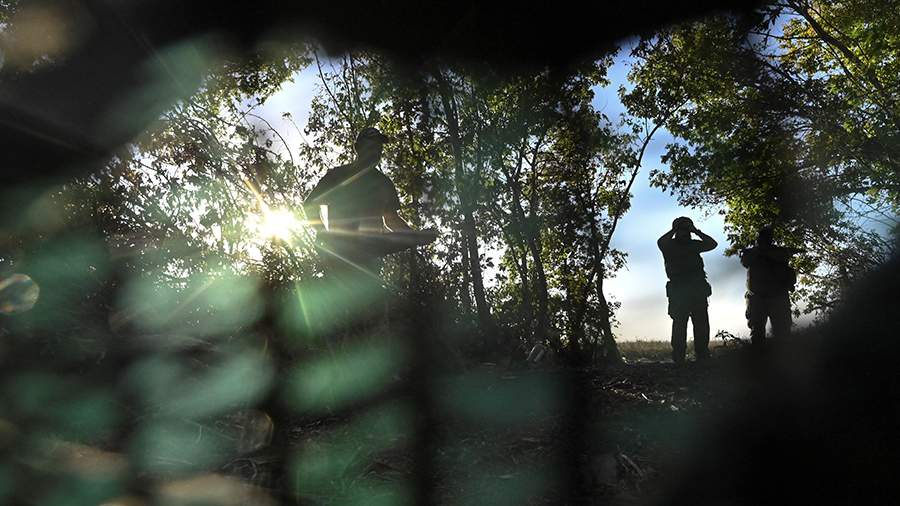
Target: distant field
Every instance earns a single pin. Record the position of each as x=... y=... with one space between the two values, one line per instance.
x=662 y=350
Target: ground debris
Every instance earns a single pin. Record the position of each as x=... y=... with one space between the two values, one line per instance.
x=640 y=417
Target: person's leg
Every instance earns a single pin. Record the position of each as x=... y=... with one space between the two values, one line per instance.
x=780 y=314
x=679 y=314
x=366 y=296
x=756 y=320
x=679 y=337
x=700 y=321
x=337 y=299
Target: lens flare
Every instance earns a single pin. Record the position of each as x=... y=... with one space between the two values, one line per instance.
x=280 y=224
x=18 y=293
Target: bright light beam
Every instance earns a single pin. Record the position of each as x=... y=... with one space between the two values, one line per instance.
x=279 y=224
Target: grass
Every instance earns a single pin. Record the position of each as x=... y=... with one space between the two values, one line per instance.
x=657 y=351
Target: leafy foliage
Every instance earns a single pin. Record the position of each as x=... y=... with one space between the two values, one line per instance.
x=790 y=118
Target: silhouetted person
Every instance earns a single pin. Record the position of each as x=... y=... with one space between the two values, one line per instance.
x=687 y=288
x=770 y=279
x=354 y=211
x=360 y=200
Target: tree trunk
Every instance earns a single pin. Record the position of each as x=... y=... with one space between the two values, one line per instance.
x=607 y=340
x=540 y=281
x=464 y=295
x=610 y=349
x=470 y=237
x=526 y=297
x=481 y=305
x=533 y=239
x=540 y=278
x=571 y=308
x=521 y=264
x=576 y=320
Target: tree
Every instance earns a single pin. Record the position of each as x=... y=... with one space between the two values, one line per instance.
x=193 y=194
x=519 y=163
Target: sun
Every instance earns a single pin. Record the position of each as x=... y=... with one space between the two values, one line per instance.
x=279 y=224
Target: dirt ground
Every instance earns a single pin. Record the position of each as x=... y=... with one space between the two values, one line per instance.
x=514 y=440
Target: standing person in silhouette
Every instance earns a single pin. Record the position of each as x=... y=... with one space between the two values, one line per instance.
x=687 y=289
x=770 y=279
x=353 y=209
x=356 y=201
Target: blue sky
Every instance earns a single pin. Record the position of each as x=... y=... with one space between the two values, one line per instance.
x=641 y=286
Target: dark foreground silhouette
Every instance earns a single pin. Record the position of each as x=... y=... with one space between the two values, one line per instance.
x=770 y=280
x=814 y=421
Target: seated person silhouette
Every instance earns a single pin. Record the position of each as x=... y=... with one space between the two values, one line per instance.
x=770 y=279
x=687 y=288
x=356 y=206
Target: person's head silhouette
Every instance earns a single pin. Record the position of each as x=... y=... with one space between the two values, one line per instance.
x=369 y=144
x=766 y=236
x=682 y=227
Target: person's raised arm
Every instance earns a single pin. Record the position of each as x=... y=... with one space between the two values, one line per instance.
x=394 y=223
x=666 y=238
x=397 y=225
x=707 y=243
